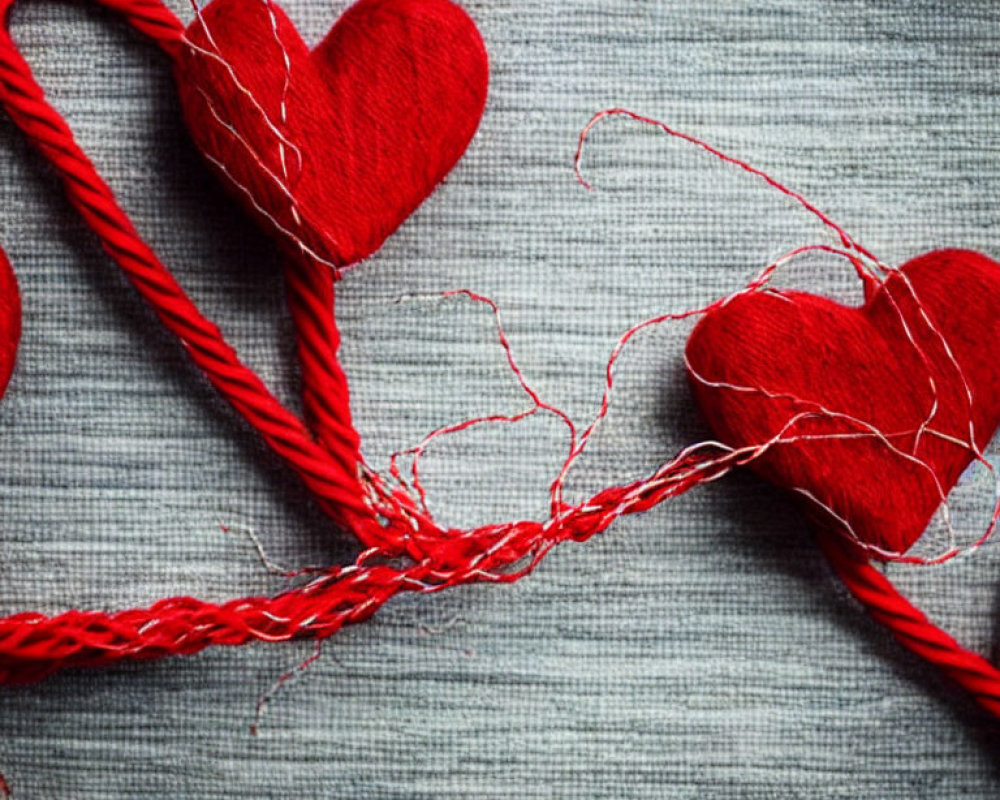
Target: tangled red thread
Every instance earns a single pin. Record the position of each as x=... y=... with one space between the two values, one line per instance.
x=405 y=550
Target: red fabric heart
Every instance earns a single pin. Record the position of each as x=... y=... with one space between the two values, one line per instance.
x=333 y=148
x=10 y=321
x=883 y=365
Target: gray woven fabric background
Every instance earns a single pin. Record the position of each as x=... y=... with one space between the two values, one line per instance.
x=702 y=650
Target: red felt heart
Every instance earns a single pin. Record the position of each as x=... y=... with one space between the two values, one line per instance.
x=917 y=363
x=333 y=149
x=10 y=321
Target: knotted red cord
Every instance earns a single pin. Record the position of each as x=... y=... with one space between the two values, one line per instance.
x=387 y=519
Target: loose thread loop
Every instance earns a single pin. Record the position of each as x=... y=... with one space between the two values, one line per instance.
x=845 y=238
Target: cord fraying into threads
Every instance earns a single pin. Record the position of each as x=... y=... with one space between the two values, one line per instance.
x=293 y=674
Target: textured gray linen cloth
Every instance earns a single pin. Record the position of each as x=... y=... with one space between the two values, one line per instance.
x=700 y=650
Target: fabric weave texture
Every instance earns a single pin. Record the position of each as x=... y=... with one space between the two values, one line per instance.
x=702 y=650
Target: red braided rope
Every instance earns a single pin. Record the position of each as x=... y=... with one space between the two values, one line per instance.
x=34 y=645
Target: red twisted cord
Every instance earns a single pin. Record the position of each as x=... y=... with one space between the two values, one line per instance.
x=149 y=17
x=910 y=626
x=325 y=394
x=34 y=645
x=333 y=482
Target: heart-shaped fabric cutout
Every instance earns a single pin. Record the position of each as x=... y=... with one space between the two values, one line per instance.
x=10 y=321
x=333 y=149
x=875 y=407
